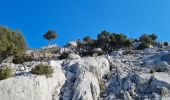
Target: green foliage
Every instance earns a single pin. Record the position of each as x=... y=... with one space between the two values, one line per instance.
x=87 y=39
x=150 y=39
x=153 y=36
x=146 y=39
x=127 y=43
x=109 y=42
x=12 y=42
x=64 y=55
x=152 y=71
x=50 y=35
x=42 y=70
x=92 y=53
x=106 y=41
x=143 y=46
x=166 y=43
x=5 y=73
x=20 y=59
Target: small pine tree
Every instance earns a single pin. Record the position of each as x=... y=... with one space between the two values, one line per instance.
x=166 y=43
x=50 y=35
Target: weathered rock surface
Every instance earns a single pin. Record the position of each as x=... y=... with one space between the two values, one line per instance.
x=143 y=75
x=31 y=87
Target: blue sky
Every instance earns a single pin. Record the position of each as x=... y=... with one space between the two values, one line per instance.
x=73 y=19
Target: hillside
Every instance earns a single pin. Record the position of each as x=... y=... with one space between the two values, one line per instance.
x=141 y=75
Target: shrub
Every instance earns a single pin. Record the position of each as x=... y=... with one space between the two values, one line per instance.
x=127 y=43
x=146 y=39
x=152 y=71
x=20 y=59
x=12 y=42
x=64 y=55
x=143 y=46
x=166 y=43
x=42 y=70
x=153 y=36
x=87 y=39
x=5 y=73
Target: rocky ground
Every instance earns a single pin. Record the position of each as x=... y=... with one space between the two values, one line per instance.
x=143 y=75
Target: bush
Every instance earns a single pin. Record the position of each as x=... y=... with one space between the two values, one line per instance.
x=12 y=42
x=153 y=36
x=146 y=39
x=21 y=59
x=152 y=71
x=5 y=73
x=166 y=43
x=42 y=70
x=143 y=46
x=127 y=43
x=64 y=55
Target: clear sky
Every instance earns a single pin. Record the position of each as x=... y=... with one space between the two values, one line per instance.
x=73 y=19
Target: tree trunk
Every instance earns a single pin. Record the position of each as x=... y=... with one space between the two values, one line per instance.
x=49 y=42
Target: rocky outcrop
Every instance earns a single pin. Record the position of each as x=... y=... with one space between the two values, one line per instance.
x=86 y=86
x=31 y=87
x=143 y=75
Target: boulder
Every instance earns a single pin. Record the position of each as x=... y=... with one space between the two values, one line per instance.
x=72 y=44
x=86 y=86
x=61 y=50
x=97 y=65
x=98 y=50
x=73 y=56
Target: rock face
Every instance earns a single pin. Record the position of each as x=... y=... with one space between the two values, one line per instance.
x=32 y=87
x=143 y=75
x=86 y=86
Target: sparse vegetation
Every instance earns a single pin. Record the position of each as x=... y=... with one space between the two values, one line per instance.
x=166 y=43
x=143 y=46
x=152 y=71
x=5 y=73
x=147 y=40
x=21 y=59
x=64 y=55
x=42 y=70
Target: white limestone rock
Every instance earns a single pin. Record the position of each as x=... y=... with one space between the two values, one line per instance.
x=86 y=86
x=97 y=65
x=61 y=50
x=72 y=43
x=73 y=56
x=32 y=87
